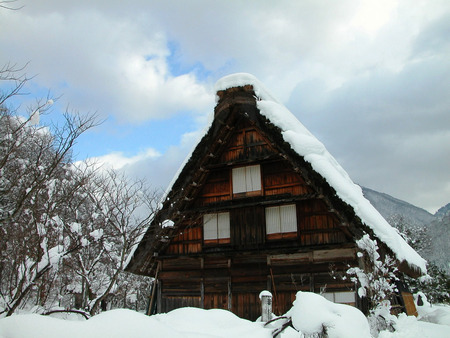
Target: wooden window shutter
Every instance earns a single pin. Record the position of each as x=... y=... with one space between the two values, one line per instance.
x=273 y=220
x=253 y=177
x=210 y=226
x=216 y=226
x=246 y=179
x=288 y=216
x=239 y=182
x=223 y=225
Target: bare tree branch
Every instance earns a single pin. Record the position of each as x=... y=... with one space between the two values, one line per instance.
x=6 y=5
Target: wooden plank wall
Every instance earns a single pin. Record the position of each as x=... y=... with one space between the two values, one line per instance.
x=317 y=225
x=279 y=179
x=216 y=189
x=247 y=143
x=231 y=276
x=235 y=282
x=247 y=227
x=188 y=241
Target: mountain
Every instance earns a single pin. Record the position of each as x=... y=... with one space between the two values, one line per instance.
x=445 y=210
x=390 y=207
x=430 y=234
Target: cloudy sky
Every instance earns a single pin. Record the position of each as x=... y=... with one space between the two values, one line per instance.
x=369 y=78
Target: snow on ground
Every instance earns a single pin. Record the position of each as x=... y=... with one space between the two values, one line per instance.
x=438 y=314
x=121 y=323
x=310 y=313
x=410 y=327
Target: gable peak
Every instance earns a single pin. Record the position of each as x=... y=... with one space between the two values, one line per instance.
x=242 y=82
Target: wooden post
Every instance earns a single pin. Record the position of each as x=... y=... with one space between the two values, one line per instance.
x=275 y=292
x=266 y=306
x=230 y=292
x=155 y=283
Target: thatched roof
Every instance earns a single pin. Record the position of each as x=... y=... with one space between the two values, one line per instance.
x=307 y=155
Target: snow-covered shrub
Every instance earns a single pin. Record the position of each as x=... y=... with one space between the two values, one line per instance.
x=315 y=316
x=381 y=319
x=377 y=282
x=377 y=279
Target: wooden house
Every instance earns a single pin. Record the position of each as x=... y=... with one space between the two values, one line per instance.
x=259 y=205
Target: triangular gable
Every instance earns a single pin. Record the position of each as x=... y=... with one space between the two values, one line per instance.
x=287 y=136
x=314 y=152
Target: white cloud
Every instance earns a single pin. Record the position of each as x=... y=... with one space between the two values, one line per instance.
x=349 y=69
x=112 y=65
x=159 y=170
x=372 y=15
x=118 y=160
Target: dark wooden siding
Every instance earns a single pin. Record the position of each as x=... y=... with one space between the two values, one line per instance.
x=216 y=189
x=282 y=302
x=216 y=301
x=234 y=282
x=169 y=303
x=247 y=227
x=317 y=225
x=246 y=305
x=188 y=241
x=231 y=276
x=247 y=143
x=180 y=283
x=280 y=179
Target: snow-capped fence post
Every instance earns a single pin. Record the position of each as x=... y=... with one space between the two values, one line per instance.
x=266 y=305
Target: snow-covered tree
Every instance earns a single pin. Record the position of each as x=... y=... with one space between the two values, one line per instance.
x=415 y=235
x=116 y=213
x=37 y=183
x=36 y=186
x=65 y=229
x=436 y=284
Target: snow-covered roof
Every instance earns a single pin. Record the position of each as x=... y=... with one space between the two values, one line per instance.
x=314 y=152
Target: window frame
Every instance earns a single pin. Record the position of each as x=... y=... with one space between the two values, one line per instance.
x=246 y=180
x=280 y=224
x=216 y=228
x=341 y=297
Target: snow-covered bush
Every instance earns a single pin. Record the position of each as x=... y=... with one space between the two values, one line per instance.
x=315 y=316
x=377 y=283
x=377 y=279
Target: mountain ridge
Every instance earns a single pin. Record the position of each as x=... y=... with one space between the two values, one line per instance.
x=390 y=206
x=443 y=211
x=431 y=233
